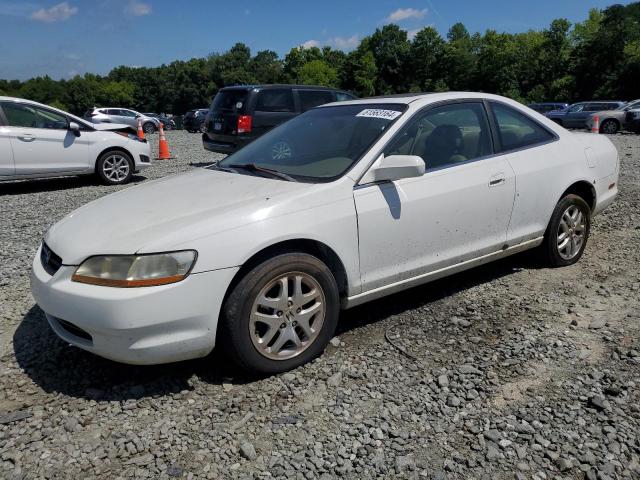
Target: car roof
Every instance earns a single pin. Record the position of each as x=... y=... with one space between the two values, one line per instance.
x=278 y=85
x=49 y=107
x=423 y=98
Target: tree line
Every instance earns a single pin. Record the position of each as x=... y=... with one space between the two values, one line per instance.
x=596 y=58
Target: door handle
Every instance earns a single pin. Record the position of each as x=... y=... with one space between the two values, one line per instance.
x=27 y=137
x=497 y=180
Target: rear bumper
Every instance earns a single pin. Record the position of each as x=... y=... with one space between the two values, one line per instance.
x=224 y=143
x=606 y=192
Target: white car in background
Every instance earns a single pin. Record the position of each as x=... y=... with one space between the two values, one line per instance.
x=38 y=141
x=343 y=204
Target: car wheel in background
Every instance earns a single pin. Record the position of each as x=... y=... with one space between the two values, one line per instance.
x=203 y=128
x=568 y=231
x=114 y=167
x=149 y=127
x=609 y=126
x=281 y=314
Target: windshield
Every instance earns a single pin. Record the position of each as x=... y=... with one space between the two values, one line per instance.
x=321 y=144
x=630 y=106
x=577 y=107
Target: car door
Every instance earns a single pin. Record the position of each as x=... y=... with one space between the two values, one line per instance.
x=533 y=152
x=128 y=117
x=574 y=115
x=458 y=210
x=41 y=141
x=6 y=154
x=273 y=106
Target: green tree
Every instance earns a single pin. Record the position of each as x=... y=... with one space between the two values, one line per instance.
x=426 y=60
x=317 y=72
x=390 y=49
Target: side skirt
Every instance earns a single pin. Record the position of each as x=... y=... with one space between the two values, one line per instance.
x=436 y=274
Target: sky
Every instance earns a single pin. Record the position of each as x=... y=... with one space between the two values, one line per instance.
x=62 y=39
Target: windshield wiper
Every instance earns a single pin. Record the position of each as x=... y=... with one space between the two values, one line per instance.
x=252 y=167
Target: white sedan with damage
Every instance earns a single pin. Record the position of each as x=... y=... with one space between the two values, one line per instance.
x=343 y=204
x=39 y=141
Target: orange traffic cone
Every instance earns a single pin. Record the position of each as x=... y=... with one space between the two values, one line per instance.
x=595 y=128
x=163 y=146
x=140 y=130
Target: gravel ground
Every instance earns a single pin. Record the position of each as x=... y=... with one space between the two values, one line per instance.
x=507 y=371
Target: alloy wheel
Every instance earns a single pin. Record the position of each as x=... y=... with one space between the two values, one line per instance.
x=571 y=232
x=116 y=168
x=609 y=127
x=287 y=316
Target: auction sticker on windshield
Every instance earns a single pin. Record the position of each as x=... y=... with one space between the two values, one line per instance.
x=379 y=113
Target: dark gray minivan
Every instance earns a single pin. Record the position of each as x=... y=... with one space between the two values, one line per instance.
x=240 y=114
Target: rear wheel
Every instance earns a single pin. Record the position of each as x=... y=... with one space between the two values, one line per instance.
x=281 y=314
x=568 y=231
x=115 y=167
x=609 y=127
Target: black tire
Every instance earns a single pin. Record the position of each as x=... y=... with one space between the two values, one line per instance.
x=149 y=127
x=609 y=126
x=235 y=333
x=550 y=249
x=103 y=173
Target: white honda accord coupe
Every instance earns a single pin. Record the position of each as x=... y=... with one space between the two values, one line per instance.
x=345 y=203
x=38 y=141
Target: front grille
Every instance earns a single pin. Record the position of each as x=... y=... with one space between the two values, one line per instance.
x=50 y=261
x=74 y=330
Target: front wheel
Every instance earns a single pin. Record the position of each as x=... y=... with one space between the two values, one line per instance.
x=114 y=168
x=568 y=231
x=281 y=314
x=149 y=127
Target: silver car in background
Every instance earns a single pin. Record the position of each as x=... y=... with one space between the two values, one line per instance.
x=613 y=120
x=122 y=115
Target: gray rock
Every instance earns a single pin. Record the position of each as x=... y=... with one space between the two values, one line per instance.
x=443 y=381
x=248 y=451
x=335 y=379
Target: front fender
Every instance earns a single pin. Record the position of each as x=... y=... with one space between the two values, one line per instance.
x=333 y=224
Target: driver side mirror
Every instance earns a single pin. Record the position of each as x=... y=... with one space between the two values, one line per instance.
x=75 y=128
x=394 y=167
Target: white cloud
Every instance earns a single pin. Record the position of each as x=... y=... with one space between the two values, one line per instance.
x=406 y=14
x=137 y=9
x=343 y=43
x=411 y=34
x=310 y=44
x=58 y=13
x=72 y=56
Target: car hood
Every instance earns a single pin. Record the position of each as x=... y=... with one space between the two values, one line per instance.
x=160 y=215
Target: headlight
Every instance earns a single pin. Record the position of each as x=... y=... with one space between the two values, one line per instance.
x=128 y=271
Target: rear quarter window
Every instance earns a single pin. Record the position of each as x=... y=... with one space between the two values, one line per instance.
x=517 y=130
x=275 y=100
